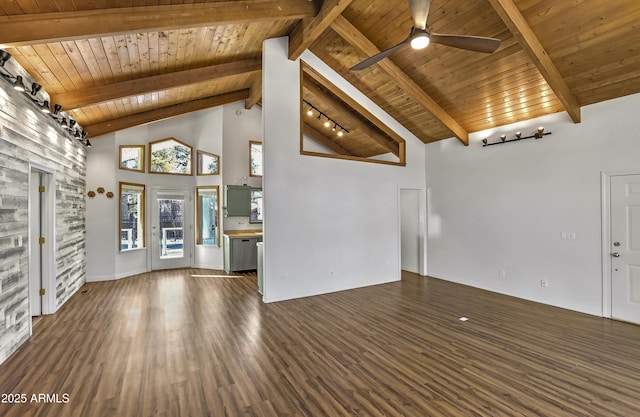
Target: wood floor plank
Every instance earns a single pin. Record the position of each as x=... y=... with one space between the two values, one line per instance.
x=170 y=343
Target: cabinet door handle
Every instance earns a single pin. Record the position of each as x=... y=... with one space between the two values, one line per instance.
x=245 y=240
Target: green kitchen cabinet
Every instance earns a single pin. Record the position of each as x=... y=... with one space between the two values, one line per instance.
x=237 y=200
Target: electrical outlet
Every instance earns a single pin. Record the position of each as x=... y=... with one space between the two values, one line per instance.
x=502 y=273
x=544 y=283
x=568 y=235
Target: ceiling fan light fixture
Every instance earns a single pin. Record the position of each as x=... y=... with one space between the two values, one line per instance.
x=420 y=40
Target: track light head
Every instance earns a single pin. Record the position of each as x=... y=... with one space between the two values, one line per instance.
x=518 y=135
x=539 y=133
x=4 y=57
x=56 y=109
x=87 y=143
x=72 y=123
x=503 y=137
x=484 y=141
x=35 y=88
x=18 y=85
x=44 y=107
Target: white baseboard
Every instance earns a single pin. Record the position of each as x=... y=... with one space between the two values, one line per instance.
x=100 y=278
x=131 y=273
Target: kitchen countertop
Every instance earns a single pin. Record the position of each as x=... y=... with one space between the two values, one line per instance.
x=243 y=233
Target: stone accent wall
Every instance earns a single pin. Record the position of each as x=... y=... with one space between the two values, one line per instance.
x=27 y=135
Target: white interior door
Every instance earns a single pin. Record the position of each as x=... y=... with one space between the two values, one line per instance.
x=625 y=248
x=171 y=229
x=35 y=252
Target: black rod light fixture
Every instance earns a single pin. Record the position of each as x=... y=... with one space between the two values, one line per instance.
x=66 y=122
x=329 y=123
x=517 y=136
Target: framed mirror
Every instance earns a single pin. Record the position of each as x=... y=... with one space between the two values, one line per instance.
x=132 y=157
x=208 y=163
x=334 y=125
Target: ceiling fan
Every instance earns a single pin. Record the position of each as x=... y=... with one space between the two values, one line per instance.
x=420 y=37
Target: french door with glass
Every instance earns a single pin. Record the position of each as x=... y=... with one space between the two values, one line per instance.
x=171 y=229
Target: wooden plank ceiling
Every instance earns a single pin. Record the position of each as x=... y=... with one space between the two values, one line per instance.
x=113 y=64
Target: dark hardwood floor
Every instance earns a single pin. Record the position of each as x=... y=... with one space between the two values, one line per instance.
x=178 y=343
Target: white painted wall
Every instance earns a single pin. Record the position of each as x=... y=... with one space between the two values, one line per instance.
x=240 y=126
x=505 y=206
x=329 y=224
x=203 y=130
x=102 y=213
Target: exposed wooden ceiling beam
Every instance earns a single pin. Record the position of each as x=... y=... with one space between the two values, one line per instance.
x=352 y=35
x=345 y=105
x=99 y=94
x=38 y=28
x=308 y=30
x=323 y=140
x=510 y=14
x=359 y=122
x=256 y=93
x=164 y=112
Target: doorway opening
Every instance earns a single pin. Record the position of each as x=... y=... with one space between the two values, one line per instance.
x=412 y=231
x=42 y=270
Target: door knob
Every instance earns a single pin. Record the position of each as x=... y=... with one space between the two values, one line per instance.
x=615 y=254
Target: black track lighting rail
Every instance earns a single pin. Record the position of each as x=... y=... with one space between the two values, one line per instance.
x=68 y=124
